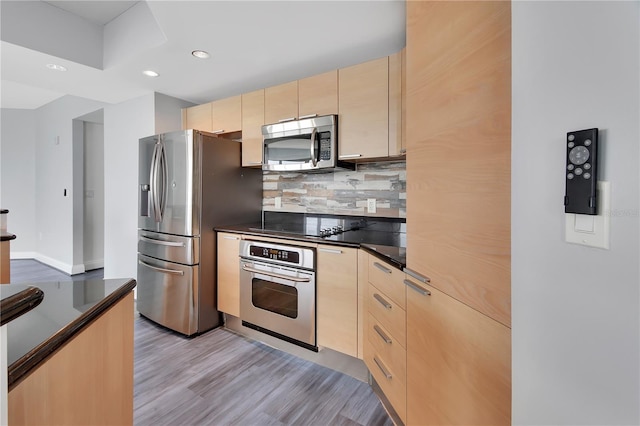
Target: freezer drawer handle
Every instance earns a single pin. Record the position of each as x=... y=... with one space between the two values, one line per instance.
x=162 y=243
x=272 y=274
x=166 y=271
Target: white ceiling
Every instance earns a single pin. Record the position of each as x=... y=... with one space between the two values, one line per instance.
x=105 y=45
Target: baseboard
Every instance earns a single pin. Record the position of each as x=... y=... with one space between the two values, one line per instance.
x=23 y=255
x=93 y=264
x=61 y=266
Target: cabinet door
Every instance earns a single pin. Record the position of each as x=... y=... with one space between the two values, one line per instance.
x=318 y=94
x=337 y=299
x=281 y=102
x=397 y=90
x=227 y=115
x=458 y=363
x=459 y=144
x=229 y=273
x=198 y=117
x=252 y=122
x=363 y=104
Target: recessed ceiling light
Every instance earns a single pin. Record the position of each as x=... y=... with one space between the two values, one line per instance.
x=200 y=54
x=150 y=73
x=56 y=67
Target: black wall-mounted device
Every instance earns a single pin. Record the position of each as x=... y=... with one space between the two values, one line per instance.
x=581 y=172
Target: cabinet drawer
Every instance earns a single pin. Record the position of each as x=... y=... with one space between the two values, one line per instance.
x=392 y=383
x=385 y=344
x=388 y=313
x=388 y=279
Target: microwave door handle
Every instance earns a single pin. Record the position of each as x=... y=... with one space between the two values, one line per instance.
x=313 y=145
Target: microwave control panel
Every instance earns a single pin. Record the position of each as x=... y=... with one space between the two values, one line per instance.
x=325 y=145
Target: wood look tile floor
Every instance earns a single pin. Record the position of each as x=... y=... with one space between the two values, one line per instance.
x=221 y=378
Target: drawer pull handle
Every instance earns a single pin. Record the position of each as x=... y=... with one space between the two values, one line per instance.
x=382 y=334
x=382 y=368
x=383 y=302
x=417 y=276
x=228 y=237
x=350 y=156
x=332 y=251
x=418 y=288
x=217 y=132
x=255 y=163
x=307 y=116
x=382 y=268
x=284 y=120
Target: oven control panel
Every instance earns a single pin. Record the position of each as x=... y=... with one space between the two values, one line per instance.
x=282 y=255
x=289 y=255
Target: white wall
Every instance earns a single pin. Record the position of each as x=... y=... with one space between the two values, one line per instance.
x=168 y=113
x=54 y=174
x=576 y=310
x=18 y=177
x=124 y=125
x=93 y=233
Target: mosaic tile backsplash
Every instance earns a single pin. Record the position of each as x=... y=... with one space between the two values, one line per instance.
x=341 y=192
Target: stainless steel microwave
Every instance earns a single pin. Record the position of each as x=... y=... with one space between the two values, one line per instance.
x=309 y=144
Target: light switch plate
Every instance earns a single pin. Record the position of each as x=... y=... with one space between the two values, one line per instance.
x=591 y=230
x=278 y=202
x=371 y=205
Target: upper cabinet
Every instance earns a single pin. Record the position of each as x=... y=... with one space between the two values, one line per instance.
x=222 y=116
x=226 y=115
x=370 y=105
x=311 y=96
x=252 y=121
x=197 y=117
x=281 y=102
x=318 y=95
x=368 y=97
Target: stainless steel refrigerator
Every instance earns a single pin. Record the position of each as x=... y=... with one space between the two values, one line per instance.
x=189 y=182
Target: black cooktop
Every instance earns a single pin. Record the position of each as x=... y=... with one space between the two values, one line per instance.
x=353 y=229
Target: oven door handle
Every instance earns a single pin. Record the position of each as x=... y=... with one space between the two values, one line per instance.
x=273 y=274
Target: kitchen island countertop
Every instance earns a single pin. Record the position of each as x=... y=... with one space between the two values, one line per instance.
x=67 y=308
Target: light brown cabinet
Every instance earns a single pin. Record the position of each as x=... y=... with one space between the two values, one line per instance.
x=397 y=104
x=385 y=332
x=363 y=104
x=318 y=95
x=337 y=298
x=252 y=122
x=226 y=115
x=229 y=273
x=458 y=123
x=459 y=362
x=281 y=102
x=197 y=117
x=88 y=381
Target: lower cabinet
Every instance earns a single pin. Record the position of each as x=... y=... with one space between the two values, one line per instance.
x=229 y=273
x=337 y=298
x=88 y=381
x=458 y=362
x=385 y=332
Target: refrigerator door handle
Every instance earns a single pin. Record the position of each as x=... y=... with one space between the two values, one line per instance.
x=153 y=181
x=165 y=176
x=166 y=271
x=162 y=243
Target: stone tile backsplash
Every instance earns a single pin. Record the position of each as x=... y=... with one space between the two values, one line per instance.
x=341 y=192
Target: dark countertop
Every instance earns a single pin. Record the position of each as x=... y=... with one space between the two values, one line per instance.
x=372 y=241
x=5 y=236
x=67 y=308
x=4 y=211
x=19 y=304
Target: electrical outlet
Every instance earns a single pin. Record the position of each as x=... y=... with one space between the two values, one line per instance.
x=371 y=205
x=278 y=202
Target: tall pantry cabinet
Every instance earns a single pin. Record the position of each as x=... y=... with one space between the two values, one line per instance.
x=458 y=123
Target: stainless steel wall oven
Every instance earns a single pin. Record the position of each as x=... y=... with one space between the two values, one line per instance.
x=278 y=291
